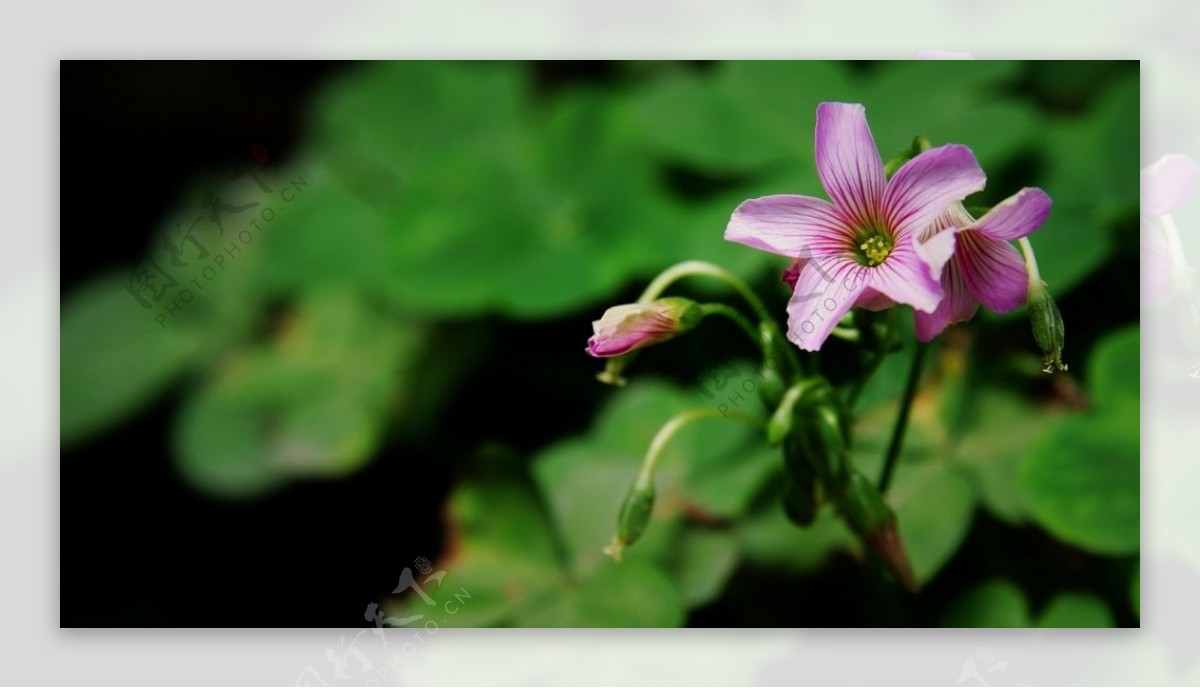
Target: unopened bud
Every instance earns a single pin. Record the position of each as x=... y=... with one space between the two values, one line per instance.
x=772 y=384
x=1047 y=322
x=632 y=326
x=875 y=523
x=797 y=398
x=825 y=425
x=633 y=518
x=810 y=426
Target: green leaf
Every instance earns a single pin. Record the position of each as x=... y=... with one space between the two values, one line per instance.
x=934 y=504
x=311 y=403
x=931 y=495
x=497 y=524
x=744 y=116
x=1091 y=173
x=115 y=357
x=1115 y=386
x=995 y=604
x=1083 y=479
x=714 y=463
x=584 y=486
x=504 y=557
x=1082 y=482
x=949 y=102
x=386 y=123
x=706 y=561
x=1073 y=610
x=328 y=236
x=992 y=455
x=420 y=205
x=767 y=537
x=711 y=466
x=122 y=348
x=220 y=448
x=628 y=595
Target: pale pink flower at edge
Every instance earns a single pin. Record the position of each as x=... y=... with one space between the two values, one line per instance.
x=1165 y=186
x=985 y=268
x=861 y=249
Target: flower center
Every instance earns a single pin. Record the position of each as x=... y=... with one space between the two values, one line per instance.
x=874 y=249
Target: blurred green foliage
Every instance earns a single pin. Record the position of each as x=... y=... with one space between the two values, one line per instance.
x=435 y=195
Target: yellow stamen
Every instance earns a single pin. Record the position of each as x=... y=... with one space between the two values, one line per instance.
x=876 y=249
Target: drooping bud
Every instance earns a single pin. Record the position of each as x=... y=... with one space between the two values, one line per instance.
x=633 y=518
x=875 y=523
x=770 y=385
x=797 y=396
x=781 y=422
x=631 y=326
x=829 y=437
x=1047 y=322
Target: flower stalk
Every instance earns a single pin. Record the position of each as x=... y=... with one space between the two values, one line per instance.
x=638 y=504
x=901 y=425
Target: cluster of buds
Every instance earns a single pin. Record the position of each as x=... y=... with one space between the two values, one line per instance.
x=813 y=428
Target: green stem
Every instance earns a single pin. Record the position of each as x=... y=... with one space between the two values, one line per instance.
x=736 y=316
x=700 y=268
x=1031 y=266
x=910 y=392
x=673 y=426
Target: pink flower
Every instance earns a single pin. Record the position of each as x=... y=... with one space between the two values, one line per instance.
x=1165 y=186
x=861 y=249
x=632 y=326
x=984 y=268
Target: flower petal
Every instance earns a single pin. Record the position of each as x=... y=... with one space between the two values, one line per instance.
x=955 y=216
x=956 y=306
x=936 y=250
x=1017 y=216
x=992 y=270
x=920 y=190
x=872 y=300
x=1167 y=183
x=825 y=291
x=1156 y=264
x=786 y=224
x=905 y=278
x=848 y=161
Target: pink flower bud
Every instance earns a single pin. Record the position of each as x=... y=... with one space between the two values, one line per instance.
x=632 y=326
